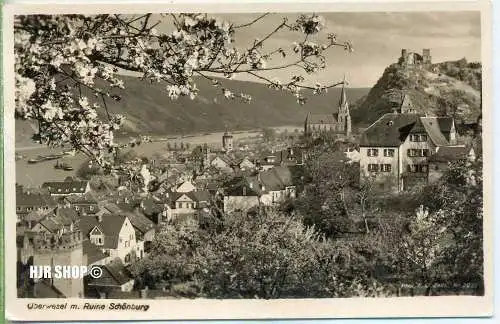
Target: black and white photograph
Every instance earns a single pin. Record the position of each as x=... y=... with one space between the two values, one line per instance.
x=170 y=156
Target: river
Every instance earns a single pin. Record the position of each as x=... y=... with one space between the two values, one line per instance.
x=34 y=175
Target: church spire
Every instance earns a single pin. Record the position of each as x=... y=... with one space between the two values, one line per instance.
x=343 y=96
x=344 y=116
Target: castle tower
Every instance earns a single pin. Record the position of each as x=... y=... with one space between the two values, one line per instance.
x=227 y=142
x=344 y=116
x=65 y=250
x=426 y=56
x=404 y=56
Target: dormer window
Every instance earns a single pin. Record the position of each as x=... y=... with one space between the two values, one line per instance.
x=418 y=137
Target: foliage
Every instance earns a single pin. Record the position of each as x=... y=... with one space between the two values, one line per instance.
x=265 y=255
x=67 y=66
x=322 y=204
x=86 y=170
x=469 y=73
x=268 y=134
x=444 y=244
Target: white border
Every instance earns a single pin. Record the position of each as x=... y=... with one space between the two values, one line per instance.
x=456 y=306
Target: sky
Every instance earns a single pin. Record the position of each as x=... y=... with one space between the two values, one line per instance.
x=377 y=39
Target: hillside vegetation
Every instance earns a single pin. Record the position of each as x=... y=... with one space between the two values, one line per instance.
x=149 y=110
x=448 y=88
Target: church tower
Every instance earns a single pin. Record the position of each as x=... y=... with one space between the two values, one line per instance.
x=227 y=142
x=344 y=116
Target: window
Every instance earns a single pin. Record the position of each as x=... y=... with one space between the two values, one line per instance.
x=418 y=137
x=424 y=152
x=389 y=152
x=372 y=167
x=372 y=152
x=418 y=168
x=77 y=208
x=127 y=258
x=417 y=152
x=385 y=167
x=91 y=207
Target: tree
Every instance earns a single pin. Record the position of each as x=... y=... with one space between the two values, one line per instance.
x=268 y=134
x=67 y=66
x=323 y=204
x=445 y=242
x=264 y=255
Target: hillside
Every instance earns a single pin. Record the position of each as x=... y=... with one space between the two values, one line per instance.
x=149 y=110
x=448 y=88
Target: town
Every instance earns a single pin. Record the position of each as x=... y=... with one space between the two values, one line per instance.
x=111 y=220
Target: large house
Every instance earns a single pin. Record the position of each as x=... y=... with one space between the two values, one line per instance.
x=27 y=202
x=395 y=150
x=113 y=234
x=339 y=122
x=265 y=189
x=67 y=187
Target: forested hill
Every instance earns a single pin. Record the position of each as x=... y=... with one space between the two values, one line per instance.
x=450 y=88
x=149 y=110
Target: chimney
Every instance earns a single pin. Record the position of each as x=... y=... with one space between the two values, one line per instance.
x=99 y=218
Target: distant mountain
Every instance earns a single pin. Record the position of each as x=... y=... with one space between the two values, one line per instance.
x=450 y=88
x=149 y=110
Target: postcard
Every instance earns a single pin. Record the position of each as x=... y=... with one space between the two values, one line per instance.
x=247 y=161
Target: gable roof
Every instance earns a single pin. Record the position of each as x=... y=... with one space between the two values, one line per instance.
x=242 y=186
x=450 y=153
x=87 y=198
x=432 y=127
x=200 y=195
x=34 y=199
x=50 y=224
x=390 y=130
x=113 y=274
x=66 y=187
x=92 y=252
x=38 y=215
x=110 y=225
x=138 y=220
x=406 y=104
x=320 y=119
x=276 y=178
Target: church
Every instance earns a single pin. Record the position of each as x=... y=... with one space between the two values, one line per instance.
x=338 y=123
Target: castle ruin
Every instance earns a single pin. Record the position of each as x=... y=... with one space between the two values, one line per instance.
x=409 y=59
